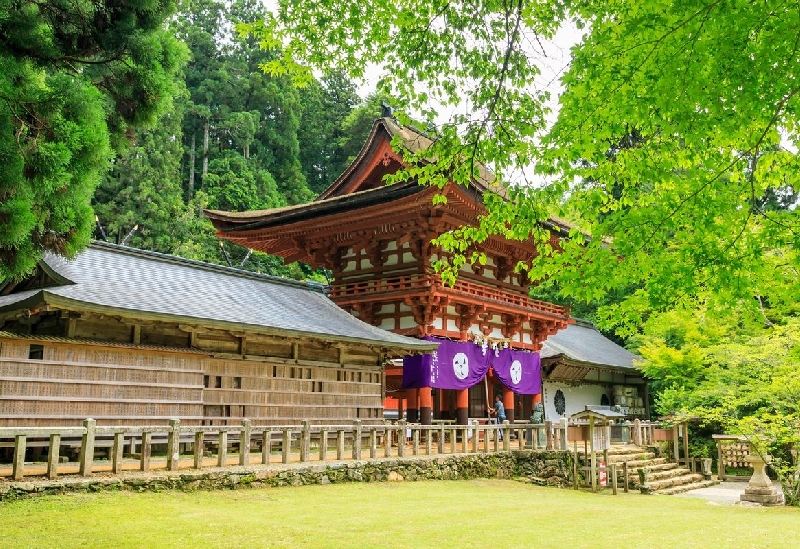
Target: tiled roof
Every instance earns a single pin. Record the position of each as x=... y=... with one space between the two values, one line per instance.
x=139 y=284
x=582 y=342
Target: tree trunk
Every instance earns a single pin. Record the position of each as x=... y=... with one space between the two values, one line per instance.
x=191 y=168
x=205 y=152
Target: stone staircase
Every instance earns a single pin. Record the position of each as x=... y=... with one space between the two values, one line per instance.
x=663 y=477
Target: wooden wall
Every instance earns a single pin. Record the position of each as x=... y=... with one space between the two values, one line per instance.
x=114 y=385
x=199 y=375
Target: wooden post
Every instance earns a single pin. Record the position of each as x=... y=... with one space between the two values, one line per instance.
x=116 y=452
x=87 y=448
x=415 y=439
x=440 y=448
x=462 y=406
x=356 y=439
x=548 y=433
x=453 y=439
x=147 y=448
x=685 y=427
x=637 y=432
x=593 y=463
x=323 y=444
x=425 y=405
x=676 y=449
x=373 y=442
x=387 y=442
x=564 y=434
x=465 y=440
x=340 y=444
x=625 y=476
x=506 y=436
x=613 y=477
x=575 y=466
x=20 y=446
x=401 y=438
x=266 y=446
x=53 y=455
x=720 y=462
x=244 y=443
x=199 y=449
x=286 y=445
x=173 y=441
x=428 y=442
x=222 y=455
x=475 y=436
x=305 y=441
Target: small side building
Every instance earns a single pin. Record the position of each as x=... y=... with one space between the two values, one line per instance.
x=132 y=337
x=580 y=367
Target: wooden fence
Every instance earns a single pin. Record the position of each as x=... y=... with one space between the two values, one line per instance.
x=174 y=446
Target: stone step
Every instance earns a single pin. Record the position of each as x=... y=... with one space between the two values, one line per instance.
x=687 y=487
x=619 y=458
x=657 y=485
x=655 y=463
x=639 y=456
x=668 y=473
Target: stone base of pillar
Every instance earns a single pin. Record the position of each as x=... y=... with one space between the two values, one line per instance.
x=767 y=496
x=462 y=416
x=425 y=415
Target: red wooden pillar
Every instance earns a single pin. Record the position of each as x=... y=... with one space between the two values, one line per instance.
x=537 y=398
x=462 y=406
x=425 y=406
x=508 y=403
x=413 y=405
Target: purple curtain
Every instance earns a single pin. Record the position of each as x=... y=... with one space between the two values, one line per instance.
x=519 y=371
x=454 y=365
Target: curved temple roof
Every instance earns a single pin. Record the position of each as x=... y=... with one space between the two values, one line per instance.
x=113 y=279
x=582 y=342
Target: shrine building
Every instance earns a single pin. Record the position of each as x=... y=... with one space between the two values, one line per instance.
x=376 y=239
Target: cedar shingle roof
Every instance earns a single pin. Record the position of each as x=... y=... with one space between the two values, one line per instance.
x=583 y=343
x=114 y=279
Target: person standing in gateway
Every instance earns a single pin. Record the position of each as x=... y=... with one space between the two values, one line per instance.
x=499 y=412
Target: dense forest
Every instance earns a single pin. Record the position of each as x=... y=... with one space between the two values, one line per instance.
x=233 y=138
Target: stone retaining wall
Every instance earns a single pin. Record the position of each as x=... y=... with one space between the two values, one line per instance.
x=551 y=468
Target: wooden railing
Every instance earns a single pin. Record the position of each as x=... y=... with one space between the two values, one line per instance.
x=175 y=446
x=406 y=283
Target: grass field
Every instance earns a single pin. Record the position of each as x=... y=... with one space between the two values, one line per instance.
x=494 y=514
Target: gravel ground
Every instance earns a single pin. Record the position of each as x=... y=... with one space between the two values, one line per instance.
x=725 y=493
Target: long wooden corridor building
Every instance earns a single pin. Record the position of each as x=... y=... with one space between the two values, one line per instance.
x=129 y=337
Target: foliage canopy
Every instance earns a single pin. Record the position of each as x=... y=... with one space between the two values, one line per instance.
x=76 y=79
x=674 y=146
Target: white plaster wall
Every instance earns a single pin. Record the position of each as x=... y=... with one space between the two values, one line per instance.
x=576 y=397
x=387 y=324
x=407 y=322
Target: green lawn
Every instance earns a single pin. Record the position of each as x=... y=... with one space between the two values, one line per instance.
x=464 y=514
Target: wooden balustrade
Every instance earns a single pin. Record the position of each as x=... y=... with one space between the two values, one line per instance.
x=173 y=447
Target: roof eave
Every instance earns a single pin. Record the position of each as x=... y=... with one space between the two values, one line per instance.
x=54 y=300
x=561 y=357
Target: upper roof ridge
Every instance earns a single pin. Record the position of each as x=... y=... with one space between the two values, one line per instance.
x=232 y=271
